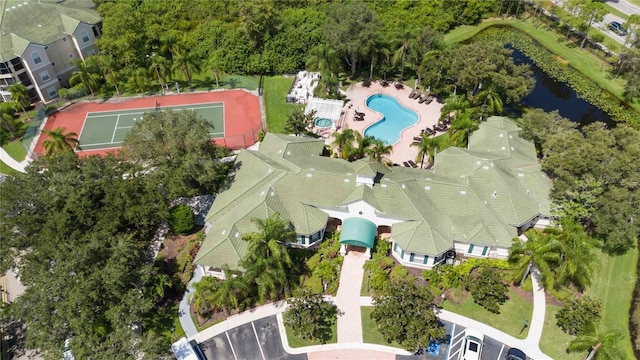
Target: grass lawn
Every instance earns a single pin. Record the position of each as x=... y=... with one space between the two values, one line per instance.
x=512 y=315
x=6 y=170
x=296 y=342
x=275 y=92
x=15 y=150
x=613 y=283
x=370 y=333
x=554 y=341
x=583 y=61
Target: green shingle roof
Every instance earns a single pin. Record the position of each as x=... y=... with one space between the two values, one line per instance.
x=40 y=22
x=477 y=195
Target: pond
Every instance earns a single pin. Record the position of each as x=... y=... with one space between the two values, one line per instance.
x=550 y=94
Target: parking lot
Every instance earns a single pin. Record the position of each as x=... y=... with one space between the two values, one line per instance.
x=260 y=339
x=256 y=340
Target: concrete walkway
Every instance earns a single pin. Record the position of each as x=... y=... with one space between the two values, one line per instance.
x=183 y=309
x=348 y=298
x=11 y=162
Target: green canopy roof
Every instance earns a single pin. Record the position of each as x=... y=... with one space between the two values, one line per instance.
x=358 y=232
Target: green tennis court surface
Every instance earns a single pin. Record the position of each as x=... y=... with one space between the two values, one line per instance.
x=108 y=129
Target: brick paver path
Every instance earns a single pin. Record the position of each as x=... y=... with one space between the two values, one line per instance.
x=348 y=298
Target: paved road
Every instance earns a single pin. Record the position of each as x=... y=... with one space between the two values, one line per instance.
x=624 y=6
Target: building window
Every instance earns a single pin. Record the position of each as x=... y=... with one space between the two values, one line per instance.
x=484 y=251
x=36 y=57
x=470 y=249
x=395 y=247
x=53 y=64
x=411 y=257
x=64 y=38
x=4 y=68
x=52 y=92
x=24 y=79
x=17 y=64
x=425 y=260
x=85 y=36
x=45 y=76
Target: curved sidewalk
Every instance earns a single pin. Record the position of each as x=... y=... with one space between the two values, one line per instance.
x=11 y=162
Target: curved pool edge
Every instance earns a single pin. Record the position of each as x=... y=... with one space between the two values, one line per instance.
x=382 y=117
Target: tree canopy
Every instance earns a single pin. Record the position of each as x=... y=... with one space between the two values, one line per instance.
x=404 y=313
x=78 y=232
x=176 y=149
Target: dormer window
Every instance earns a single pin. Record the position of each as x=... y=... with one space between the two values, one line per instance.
x=85 y=37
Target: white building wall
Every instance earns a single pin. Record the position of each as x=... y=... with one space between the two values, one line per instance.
x=416 y=260
x=363 y=210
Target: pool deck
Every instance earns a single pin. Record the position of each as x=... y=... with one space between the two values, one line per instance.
x=428 y=115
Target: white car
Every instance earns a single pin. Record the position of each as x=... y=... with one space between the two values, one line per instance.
x=472 y=346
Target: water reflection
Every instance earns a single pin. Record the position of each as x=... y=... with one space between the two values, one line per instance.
x=549 y=94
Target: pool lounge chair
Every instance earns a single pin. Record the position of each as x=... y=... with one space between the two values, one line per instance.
x=413 y=165
x=406 y=164
x=412 y=94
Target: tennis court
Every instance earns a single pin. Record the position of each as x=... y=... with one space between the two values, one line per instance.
x=108 y=129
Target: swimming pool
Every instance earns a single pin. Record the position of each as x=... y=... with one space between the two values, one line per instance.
x=323 y=122
x=395 y=118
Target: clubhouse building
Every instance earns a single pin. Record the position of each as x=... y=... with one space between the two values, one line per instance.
x=474 y=201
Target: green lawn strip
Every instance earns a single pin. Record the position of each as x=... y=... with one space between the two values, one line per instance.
x=277 y=108
x=296 y=342
x=585 y=62
x=615 y=11
x=370 y=333
x=554 y=341
x=16 y=150
x=511 y=319
x=634 y=2
x=6 y=169
x=613 y=283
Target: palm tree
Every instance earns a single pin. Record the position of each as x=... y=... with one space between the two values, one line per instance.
x=377 y=48
x=600 y=345
x=19 y=96
x=169 y=44
x=214 y=63
x=344 y=142
x=203 y=296
x=362 y=145
x=107 y=64
x=59 y=141
x=160 y=67
x=427 y=147
x=267 y=261
x=405 y=39
x=539 y=250
x=188 y=62
x=86 y=74
x=379 y=150
x=576 y=264
x=461 y=127
x=491 y=99
x=232 y=292
x=324 y=59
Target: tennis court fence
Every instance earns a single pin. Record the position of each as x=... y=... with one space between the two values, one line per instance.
x=243 y=141
x=29 y=139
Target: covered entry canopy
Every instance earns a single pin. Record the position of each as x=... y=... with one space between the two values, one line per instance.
x=358 y=232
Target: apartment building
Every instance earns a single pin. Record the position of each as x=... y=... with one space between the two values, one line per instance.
x=39 y=39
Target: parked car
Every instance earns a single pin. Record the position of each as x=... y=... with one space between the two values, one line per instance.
x=516 y=354
x=473 y=343
x=617 y=28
